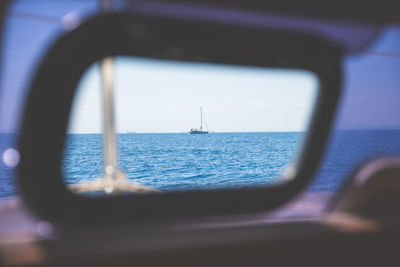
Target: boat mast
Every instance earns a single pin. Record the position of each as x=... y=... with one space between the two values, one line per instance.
x=201 y=119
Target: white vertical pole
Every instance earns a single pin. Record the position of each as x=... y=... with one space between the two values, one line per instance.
x=109 y=133
x=111 y=173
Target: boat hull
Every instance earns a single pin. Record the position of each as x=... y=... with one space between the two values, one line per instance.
x=198 y=132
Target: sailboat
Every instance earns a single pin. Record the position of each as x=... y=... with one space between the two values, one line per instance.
x=199 y=131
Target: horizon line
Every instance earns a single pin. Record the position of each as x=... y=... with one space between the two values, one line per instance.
x=185 y=132
x=292 y=131
x=179 y=132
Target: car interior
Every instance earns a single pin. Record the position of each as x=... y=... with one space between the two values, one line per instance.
x=314 y=182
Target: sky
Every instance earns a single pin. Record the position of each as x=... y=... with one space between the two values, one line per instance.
x=166 y=96
x=371 y=98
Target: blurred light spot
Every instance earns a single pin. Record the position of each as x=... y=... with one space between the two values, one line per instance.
x=11 y=157
x=109 y=169
x=289 y=172
x=109 y=189
x=71 y=21
x=44 y=229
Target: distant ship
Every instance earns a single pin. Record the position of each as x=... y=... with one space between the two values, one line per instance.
x=199 y=131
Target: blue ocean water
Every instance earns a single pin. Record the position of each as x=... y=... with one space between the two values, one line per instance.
x=180 y=161
x=7 y=174
x=350 y=149
x=184 y=162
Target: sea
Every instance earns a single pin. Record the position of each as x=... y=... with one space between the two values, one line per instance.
x=180 y=161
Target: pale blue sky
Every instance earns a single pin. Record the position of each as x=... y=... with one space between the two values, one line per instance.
x=165 y=96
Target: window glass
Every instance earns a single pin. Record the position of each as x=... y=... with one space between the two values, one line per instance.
x=368 y=121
